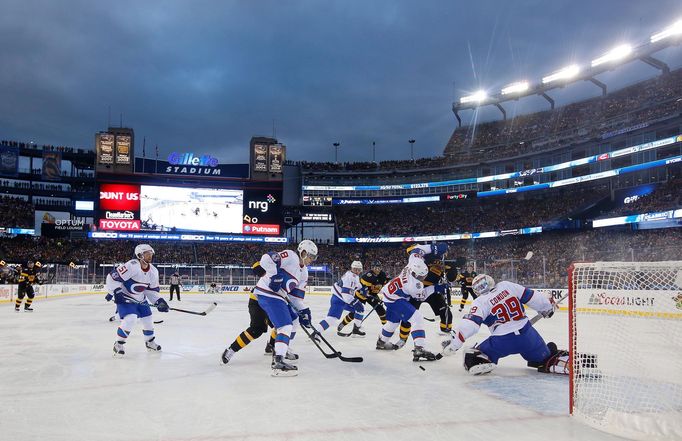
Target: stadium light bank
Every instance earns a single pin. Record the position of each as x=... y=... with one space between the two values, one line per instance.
x=616 y=57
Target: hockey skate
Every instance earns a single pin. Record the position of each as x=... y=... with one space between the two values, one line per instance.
x=385 y=345
x=280 y=368
x=152 y=346
x=400 y=343
x=357 y=332
x=340 y=327
x=269 y=350
x=227 y=355
x=119 y=349
x=16 y=309
x=291 y=356
x=421 y=354
x=28 y=308
x=112 y=318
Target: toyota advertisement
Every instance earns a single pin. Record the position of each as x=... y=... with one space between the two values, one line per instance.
x=133 y=207
x=119 y=207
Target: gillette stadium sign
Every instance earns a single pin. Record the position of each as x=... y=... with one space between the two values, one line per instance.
x=190 y=164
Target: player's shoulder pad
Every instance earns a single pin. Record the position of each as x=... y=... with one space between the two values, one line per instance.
x=133 y=263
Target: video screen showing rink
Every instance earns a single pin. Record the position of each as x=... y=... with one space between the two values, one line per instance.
x=61 y=382
x=191 y=209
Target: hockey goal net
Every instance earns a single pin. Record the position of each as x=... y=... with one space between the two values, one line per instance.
x=625 y=331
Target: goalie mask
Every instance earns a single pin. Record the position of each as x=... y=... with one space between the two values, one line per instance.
x=482 y=284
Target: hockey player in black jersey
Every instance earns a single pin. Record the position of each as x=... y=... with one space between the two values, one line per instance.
x=27 y=277
x=257 y=327
x=373 y=281
x=465 y=279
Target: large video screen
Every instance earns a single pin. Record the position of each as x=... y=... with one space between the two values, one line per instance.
x=191 y=209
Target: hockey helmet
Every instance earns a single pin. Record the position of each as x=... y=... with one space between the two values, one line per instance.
x=356 y=265
x=309 y=247
x=141 y=249
x=482 y=284
x=418 y=268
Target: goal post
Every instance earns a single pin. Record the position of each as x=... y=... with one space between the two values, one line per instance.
x=625 y=339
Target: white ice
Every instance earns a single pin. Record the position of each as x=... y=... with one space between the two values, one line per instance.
x=60 y=382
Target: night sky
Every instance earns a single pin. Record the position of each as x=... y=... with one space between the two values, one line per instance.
x=205 y=76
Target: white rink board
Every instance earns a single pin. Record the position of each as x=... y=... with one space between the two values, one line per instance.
x=61 y=383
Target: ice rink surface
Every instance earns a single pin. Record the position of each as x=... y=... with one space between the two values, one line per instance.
x=60 y=382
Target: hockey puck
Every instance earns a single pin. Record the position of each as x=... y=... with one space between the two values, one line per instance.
x=422 y=368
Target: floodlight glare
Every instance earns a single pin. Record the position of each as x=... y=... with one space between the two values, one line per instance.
x=617 y=53
x=563 y=74
x=476 y=97
x=670 y=31
x=519 y=87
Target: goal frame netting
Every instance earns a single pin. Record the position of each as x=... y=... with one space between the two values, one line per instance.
x=617 y=386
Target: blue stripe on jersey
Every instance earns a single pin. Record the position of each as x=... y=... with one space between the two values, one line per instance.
x=157 y=289
x=386 y=334
x=418 y=334
x=121 y=333
x=298 y=293
x=527 y=294
x=476 y=319
x=145 y=332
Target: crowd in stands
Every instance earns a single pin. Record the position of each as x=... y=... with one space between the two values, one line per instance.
x=631 y=107
x=47 y=147
x=16 y=212
x=491 y=214
x=501 y=257
x=667 y=196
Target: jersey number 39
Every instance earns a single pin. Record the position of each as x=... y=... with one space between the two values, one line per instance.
x=510 y=310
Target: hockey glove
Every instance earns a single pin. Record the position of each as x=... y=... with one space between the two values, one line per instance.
x=109 y=297
x=161 y=305
x=550 y=312
x=452 y=345
x=304 y=317
x=276 y=283
x=118 y=296
x=439 y=249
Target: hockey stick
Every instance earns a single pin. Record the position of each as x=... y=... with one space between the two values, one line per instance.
x=539 y=316
x=210 y=308
x=312 y=335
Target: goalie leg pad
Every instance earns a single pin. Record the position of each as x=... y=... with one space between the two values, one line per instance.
x=476 y=362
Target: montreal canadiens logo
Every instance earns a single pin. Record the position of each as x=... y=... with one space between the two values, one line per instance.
x=138 y=288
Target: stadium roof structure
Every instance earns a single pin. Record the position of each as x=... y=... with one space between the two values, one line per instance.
x=618 y=56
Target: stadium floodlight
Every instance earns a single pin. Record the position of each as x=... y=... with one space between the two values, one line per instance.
x=615 y=54
x=475 y=97
x=563 y=74
x=670 y=31
x=517 y=87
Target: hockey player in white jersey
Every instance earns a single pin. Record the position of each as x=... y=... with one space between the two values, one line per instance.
x=346 y=297
x=397 y=294
x=281 y=293
x=134 y=286
x=501 y=307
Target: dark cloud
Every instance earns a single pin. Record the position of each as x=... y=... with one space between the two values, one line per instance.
x=208 y=75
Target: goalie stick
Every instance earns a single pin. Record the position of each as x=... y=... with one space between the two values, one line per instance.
x=539 y=316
